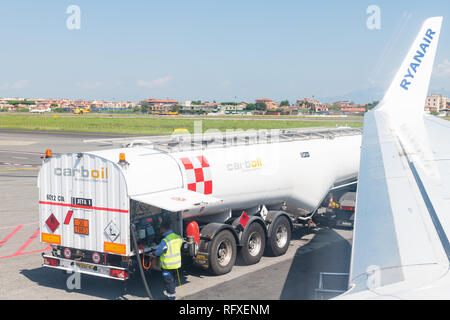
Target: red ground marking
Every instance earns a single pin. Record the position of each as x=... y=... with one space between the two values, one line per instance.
x=24 y=253
x=25 y=224
x=25 y=245
x=10 y=235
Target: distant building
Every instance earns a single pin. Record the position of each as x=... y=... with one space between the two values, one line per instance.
x=186 y=104
x=160 y=101
x=188 y=107
x=321 y=109
x=234 y=109
x=289 y=110
x=271 y=105
x=343 y=103
x=435 y=102
x=355 y=110
x=308 y=103
x=160 y=106
x=429 y=109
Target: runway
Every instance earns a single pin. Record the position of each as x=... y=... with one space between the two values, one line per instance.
x=292 y=276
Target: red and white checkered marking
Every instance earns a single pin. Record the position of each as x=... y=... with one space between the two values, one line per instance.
x=198 y=174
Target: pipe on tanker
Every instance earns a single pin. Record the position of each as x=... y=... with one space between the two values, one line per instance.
x=136 y=251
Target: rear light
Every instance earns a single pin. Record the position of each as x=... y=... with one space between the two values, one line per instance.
x=120 y=274
x=51 y=262
x=346 y=208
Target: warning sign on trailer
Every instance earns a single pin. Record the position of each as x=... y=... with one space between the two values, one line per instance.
x=81 y=226
x=243 y=219
x=112 y=231
x=52 y=222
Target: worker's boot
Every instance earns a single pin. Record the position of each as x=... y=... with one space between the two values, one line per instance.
x=169 y=296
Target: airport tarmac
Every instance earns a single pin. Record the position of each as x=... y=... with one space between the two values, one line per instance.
x=294 y=275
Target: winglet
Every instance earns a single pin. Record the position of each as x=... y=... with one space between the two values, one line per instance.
x=407 y=93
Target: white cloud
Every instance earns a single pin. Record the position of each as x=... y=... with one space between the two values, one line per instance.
x=21 y=84
x=443 y=69
x=159 y=82
x=89 y=85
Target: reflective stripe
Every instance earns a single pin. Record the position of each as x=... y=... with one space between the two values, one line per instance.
x=171 y=263
x=169 y=247
x=173 y=255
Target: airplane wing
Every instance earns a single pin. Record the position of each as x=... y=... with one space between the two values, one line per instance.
x=401 y=247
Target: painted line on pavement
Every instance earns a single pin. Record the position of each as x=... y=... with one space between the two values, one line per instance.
x=10 y=235
x=19 y=169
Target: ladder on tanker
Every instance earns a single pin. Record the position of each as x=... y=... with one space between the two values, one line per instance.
x=184 y=141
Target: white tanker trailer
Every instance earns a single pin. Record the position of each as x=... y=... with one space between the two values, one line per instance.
x=223 y=193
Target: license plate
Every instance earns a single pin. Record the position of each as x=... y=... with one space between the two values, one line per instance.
x=81 y=226
x=84 y=266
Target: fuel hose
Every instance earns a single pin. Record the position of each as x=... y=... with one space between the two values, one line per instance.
x=136 y=251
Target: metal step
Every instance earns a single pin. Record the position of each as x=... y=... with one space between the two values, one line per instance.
x=325 y=291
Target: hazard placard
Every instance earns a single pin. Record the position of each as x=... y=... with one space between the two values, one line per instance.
x=81 y=226
x=51 y=238
x=52 y=223
x=243 y=219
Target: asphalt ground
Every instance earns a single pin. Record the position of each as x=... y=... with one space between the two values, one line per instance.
x=294 y=275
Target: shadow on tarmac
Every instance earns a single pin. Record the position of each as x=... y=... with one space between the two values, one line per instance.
x=101 y=287
x=327 y=252
x=294 y=279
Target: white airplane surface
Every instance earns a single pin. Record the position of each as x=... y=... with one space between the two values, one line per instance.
x=401 y=247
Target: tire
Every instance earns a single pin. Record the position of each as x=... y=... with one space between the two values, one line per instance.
x=222 y=253
x=280 y=237
x=253 y=244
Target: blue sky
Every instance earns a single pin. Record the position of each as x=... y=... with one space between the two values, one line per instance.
x=211 y=50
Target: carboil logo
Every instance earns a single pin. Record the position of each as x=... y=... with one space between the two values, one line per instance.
x=101 y=174
x=245 y=165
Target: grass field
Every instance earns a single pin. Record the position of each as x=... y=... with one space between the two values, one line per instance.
x=152 y=125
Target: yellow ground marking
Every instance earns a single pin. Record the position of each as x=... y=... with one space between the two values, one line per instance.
x=87 y=133
x=17 y=169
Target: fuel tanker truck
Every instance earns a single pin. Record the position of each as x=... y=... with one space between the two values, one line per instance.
x=225 y=194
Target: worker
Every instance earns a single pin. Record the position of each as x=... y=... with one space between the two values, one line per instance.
x=169 y=252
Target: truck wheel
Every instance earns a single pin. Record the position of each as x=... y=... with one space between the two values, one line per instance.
x=253 y=244
x=222 y=253
x=280 y=237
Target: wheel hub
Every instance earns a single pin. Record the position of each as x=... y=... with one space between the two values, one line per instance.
x=281 y=236
x=224 y=252
x=254 y=244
